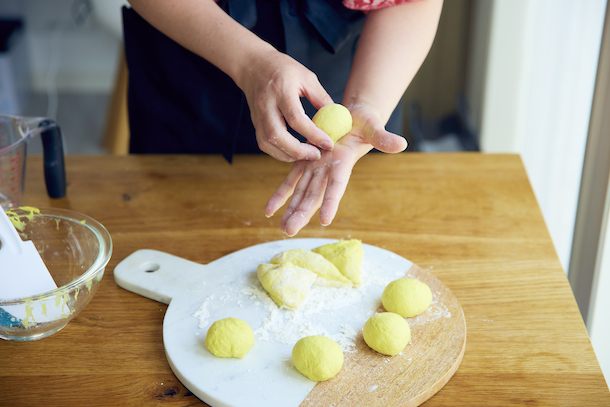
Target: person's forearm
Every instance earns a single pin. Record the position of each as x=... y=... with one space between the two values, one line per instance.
x=391 y=49
x=205 y=29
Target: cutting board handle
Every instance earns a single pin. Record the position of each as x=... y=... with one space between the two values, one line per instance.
x=156 y=275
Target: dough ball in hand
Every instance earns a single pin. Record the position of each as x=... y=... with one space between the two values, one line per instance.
x=387 y=333
x=317 y=357
x=334 y=119
x=229 y=338
x=406 y=297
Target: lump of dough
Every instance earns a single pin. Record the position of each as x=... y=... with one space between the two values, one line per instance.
x=387 y=333
x=286 y=283
x=317 y=357
x=346 y=255
x=229 y=338
x=406 y=297
x=335 y=119
x=331 y=276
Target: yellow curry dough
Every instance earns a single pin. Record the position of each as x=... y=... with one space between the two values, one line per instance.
x=346 y=255
x=286 y=283
x=229 y=338
x=317 y=357
x=327 y=271
x=387 y=333
x=406 y=297
x=334 y=119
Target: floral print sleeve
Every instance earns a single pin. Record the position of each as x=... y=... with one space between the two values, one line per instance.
x=366 y=5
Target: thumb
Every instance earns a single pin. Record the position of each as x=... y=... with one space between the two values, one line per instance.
x=387 y=142
x=316 y=94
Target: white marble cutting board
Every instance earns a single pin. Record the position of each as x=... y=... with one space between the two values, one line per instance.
x=224 y=288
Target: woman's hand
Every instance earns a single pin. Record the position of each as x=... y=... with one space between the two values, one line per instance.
x=273 y=84
x=321 y=184
x=272 y=81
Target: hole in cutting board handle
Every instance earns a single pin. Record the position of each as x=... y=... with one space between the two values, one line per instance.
x=150 y=267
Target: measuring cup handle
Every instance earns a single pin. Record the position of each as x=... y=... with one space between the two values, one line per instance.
x=53 y=152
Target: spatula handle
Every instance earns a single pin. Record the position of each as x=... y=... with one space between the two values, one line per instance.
x=53 y=152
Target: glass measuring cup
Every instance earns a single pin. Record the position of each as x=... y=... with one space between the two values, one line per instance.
x=15 y=133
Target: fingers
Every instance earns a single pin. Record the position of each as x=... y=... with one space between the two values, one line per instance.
x=273 y=95
x=369 y=126
x=274 y=139
x=315 y=92
x=285 y=190
x=335 y=189
x=292 y=110
x=297 y=119
x=387 y=142
x=305 y=201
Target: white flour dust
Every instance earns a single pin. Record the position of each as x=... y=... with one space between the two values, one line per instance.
x=203 y=313
x=321 y=313
x=288 y=326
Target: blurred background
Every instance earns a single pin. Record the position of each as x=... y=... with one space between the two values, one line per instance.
x=530 y=77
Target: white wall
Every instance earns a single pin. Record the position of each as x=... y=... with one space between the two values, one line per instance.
x=540 y=70
x=537 y=98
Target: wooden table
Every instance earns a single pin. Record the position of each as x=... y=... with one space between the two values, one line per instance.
x=472 y=218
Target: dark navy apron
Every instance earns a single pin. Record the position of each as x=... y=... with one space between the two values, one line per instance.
x=180 y=103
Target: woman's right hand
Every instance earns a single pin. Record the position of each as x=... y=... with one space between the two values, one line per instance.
x=273 y=84
x=272 y=81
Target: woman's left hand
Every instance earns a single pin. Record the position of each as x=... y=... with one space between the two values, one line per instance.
x=321 y=184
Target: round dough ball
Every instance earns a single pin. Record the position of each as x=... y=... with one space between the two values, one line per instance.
x=387 y=333
x=317 y=357
x=229 y=338
x=334 y=119
x=406 y=297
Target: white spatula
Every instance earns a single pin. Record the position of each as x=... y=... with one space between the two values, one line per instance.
x=22 y=271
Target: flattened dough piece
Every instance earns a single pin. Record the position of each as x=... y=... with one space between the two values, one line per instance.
x=346 y=255
x=327 y=271
x=286 y=283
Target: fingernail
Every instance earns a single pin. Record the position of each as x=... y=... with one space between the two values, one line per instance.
x=314 y=155
x=328 y=145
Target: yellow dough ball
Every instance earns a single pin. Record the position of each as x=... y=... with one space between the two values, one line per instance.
x=406 y=297
x=334 y=119
x=317 y=357
x=387 y=333
x=229 y=338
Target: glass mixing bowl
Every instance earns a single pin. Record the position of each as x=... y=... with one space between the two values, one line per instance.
x=75 y=248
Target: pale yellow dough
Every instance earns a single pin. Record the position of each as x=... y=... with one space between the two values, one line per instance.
x=387 y=333
x=346 y=255
x=229 y=338
x=286 y=283
x=334 y=119
x=327 y=271
x=317 y=357
x=406 y=297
